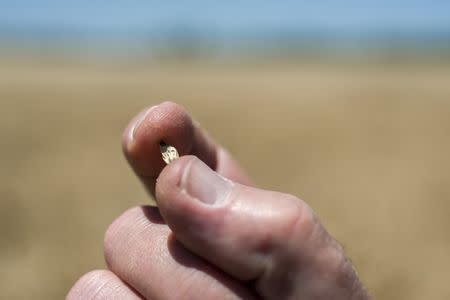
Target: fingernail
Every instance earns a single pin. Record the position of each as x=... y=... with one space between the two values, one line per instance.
x=205 y=185
x=139 y=119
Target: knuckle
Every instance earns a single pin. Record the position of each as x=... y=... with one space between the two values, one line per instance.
x=97 y=284
x=301 y=221
x=115 y=233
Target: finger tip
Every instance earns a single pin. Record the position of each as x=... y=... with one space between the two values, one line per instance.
x=168 y=122
x=86 y=286
x=168 y=183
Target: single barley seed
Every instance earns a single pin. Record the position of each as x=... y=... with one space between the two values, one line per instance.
x=169 y=153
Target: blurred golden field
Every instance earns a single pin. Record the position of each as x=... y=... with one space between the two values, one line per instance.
x=366 y=145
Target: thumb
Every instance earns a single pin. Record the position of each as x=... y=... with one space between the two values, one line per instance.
x=270 y=238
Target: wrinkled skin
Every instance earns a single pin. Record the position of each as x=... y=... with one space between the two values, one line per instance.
x=214 y=235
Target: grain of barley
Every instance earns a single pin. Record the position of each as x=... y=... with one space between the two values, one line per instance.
x=169 y=153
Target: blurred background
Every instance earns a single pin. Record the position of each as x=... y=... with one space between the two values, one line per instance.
x=346 y=107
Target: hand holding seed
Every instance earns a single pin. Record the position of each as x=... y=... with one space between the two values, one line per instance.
x=214 y=235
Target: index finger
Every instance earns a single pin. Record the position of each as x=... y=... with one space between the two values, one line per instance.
x=170 y=123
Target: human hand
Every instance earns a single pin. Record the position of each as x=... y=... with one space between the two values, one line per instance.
x=214 y=236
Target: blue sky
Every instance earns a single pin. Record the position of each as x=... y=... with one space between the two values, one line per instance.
x=227 y=15
x=223 y=19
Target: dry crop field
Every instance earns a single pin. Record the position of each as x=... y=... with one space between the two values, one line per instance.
x=366 y=145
